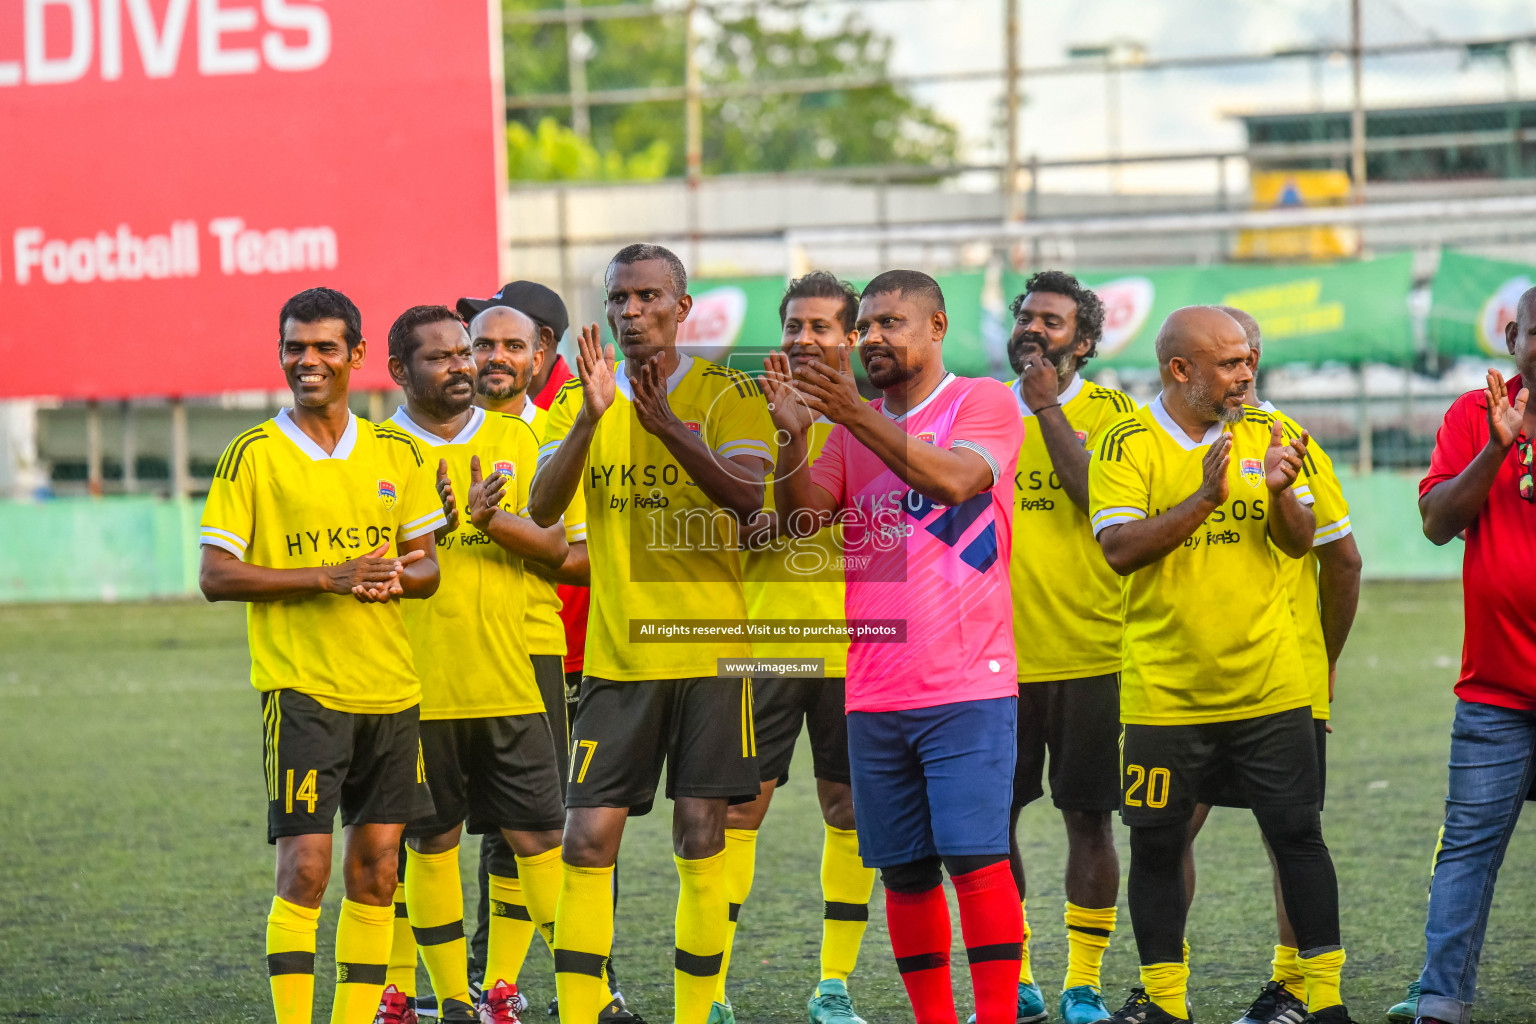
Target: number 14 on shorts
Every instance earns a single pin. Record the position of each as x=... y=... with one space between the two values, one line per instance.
x=308 y=791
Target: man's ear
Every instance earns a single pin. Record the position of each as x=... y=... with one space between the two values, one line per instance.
x=940 y=324
x=359 y=351
x=397 y=371
x=1512 y=334
x=1178 y=367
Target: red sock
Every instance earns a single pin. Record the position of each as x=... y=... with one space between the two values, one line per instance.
x=919 y=927
x=992 y=921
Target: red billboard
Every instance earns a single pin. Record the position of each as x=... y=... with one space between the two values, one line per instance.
x=172 y=170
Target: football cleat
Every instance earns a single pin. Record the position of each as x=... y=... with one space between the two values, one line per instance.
x=721 y=1013
x=457 y=1011
x=502 y=1004
x=1407 y=1011
x=1140 y=1009
x=830 y=1004
x=395 y=1008
x=1275 y=1005
x=1082 y=1004
x=1031 y=1005
x=1336 y=1014
x=618 y=1013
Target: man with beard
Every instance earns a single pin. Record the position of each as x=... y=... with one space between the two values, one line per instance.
x=1324 y=588
x=321 y=521
x=488 y=751
x=1186 y=497
x=671 y=452
x=920 y=480
x=789 y=575
x=1066 y=626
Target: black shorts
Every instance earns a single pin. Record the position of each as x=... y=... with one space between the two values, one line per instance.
x=1078 y=722
x=319 y=761
x=549 y=674
x=1223 y=791
x=624 y=731
x=779 y=706
x=1272 y=760
x=489 y=774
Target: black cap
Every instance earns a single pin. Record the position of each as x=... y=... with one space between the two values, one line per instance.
x=538 y=303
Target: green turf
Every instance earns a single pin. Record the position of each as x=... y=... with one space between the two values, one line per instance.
x=136 y=877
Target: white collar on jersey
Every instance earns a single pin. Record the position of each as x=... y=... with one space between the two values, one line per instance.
x=948 y=378
x=402 y=419
x=1268 y=407
x=1073 y=390
x=294 y=433
x=684 y=363
x=1160 y=414
x=529 y=410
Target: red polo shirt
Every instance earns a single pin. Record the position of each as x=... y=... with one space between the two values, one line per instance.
x=1498 y=655
x=573 y=600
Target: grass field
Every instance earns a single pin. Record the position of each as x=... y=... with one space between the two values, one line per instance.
x=136 y=876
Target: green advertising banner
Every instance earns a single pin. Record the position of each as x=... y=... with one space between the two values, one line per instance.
x=1470 y=302
x=1351 y=312
x=735 y=319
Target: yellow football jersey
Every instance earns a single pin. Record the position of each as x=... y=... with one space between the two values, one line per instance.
x=661 y=550
x=798 y=578
x=1066 y=598
x=546 y=633
x=470 y=639
x=1208 y=633
x=1332 y=513
x=280 y=501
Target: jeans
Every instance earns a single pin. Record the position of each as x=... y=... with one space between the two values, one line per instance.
x=1493 y=760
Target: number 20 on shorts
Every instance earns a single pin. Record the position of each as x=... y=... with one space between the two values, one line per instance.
x=1156 y=782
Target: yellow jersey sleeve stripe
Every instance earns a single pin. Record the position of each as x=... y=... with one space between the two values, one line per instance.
x=223 y=539
x=434 y=521
x=1332 y=532
x=575 y=532
x=1120 y=514
x=436 y=514
x=547 y=449
x=1304 y=494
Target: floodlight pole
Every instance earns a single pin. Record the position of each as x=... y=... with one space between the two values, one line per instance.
x=576 y=70
x=1011 y=211
x=1357 y=104
x=694 y=115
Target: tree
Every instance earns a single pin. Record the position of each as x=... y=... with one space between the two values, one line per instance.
x=838 y=128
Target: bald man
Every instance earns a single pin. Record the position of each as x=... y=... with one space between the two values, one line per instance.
x=1187 y=496
x=1324 y=589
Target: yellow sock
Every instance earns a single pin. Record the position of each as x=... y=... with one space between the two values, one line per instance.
x=1287 y=972
x=845 y=887
x=437 y=920
x=363 y=937
x=740 y=864
x=1088 y=934
x=402 y=950
x=541 y=890
x=291 y=960
x=1167 y=985
x=1323 y=972
x=583 y=940
x=702 y=915
x=511 y=931
x=1026 y=972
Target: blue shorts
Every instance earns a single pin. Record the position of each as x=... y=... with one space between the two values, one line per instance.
x=933 y=781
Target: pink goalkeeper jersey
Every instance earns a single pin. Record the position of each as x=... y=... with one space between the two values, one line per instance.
x=940 y=574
